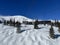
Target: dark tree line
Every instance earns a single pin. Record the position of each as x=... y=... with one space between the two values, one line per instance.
x=18 y=25
x=57 y=24
x=40 y=22
x=13 y=23
x=28 y=23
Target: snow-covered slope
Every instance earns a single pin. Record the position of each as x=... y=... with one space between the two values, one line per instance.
x=17 y=18
x=30 y=36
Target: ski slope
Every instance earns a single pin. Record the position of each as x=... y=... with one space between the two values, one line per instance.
x=30 y=36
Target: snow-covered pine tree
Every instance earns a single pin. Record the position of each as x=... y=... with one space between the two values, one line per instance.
x=10 y=22
x=51 y=32
x=18 y=25
x=13 y=23
x=36 y=24
x=5 y=22
x=59 y=27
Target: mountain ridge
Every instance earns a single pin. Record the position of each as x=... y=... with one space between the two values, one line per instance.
x=16 y=18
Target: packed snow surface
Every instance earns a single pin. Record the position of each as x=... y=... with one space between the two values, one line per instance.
x=30 y=36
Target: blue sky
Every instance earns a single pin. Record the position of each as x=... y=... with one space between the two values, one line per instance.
x=37 y=9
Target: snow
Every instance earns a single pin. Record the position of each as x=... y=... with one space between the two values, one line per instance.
x=30 y=36
x=17 y=18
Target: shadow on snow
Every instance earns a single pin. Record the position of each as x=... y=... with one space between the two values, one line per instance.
x=56 y=35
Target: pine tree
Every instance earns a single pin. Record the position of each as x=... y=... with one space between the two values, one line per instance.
x=10 y=22
x=57 y=23
x=5 y=22
x=51 y=32
x=59 y=27
x=13 y=23
x=18 y=25
x=36 y=24
x=59 y=30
